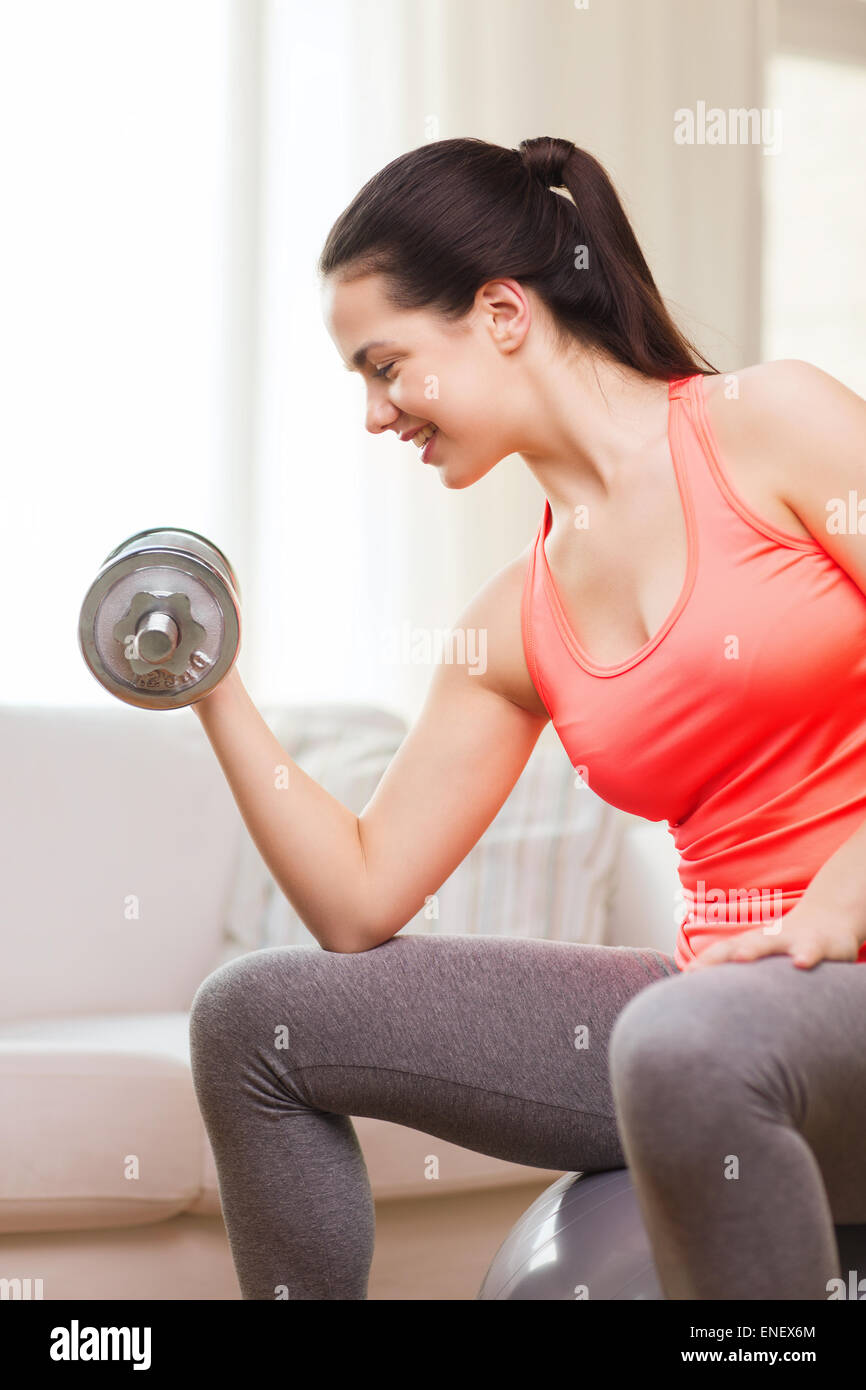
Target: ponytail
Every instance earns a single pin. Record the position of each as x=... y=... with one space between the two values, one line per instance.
x=443 y=219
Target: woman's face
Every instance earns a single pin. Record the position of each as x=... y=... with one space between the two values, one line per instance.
x=420 y=370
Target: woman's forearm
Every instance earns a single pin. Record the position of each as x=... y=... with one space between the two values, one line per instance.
x=309 y=840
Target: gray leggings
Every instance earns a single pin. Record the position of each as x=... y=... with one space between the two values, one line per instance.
x=736 y=1095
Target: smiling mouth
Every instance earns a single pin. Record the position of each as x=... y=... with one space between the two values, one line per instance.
x=429 y=446
x=420 y=437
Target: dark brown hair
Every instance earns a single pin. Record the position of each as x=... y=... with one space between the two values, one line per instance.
x=443 y=219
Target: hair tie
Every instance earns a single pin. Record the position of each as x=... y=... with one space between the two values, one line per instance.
x=545 y=158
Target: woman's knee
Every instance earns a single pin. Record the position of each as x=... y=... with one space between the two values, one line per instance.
x=238 y=998
x=709 y=1033
x=678 y=1031
x=648 y=1037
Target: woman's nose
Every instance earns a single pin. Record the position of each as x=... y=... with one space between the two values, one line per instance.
x=380 y=415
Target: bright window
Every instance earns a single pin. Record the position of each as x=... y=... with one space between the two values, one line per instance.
x=814 y=276
x=114 y=176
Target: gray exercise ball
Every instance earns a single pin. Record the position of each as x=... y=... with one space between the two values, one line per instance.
x=584 y=1238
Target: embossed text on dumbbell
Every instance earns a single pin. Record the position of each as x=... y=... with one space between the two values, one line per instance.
x=160 y=679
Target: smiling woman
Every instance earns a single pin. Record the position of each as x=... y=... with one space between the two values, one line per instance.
x=721 y=690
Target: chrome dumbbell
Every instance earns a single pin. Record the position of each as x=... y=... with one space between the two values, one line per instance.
x=160 y=625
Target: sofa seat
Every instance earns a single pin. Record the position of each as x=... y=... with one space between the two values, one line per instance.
x=107 y=1131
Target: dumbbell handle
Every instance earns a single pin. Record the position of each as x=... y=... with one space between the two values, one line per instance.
x=156 y=637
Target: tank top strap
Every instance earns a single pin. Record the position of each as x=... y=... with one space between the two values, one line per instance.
x=707 y=503
x=679 y=387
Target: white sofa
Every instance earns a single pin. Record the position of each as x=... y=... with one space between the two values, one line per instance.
x=127 y=877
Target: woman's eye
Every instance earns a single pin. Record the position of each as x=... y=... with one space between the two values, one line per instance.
x=383 y=371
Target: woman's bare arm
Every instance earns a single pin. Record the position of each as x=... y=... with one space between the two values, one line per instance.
x=356 y=880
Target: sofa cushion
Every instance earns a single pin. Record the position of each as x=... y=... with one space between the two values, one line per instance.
x=119 y=837
x=107 y=1130
x=545 y=866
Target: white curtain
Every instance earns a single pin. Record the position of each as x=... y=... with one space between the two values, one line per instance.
x=170 y=170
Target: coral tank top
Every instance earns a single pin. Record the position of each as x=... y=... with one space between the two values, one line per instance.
x=742 y=722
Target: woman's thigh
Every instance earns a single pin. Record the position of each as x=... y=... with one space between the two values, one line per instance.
x=497 y=1044
x=767 y=1037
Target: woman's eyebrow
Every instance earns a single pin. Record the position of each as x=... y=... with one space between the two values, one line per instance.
x=361 y=353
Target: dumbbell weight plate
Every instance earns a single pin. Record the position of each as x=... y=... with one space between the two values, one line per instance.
x=160 y=625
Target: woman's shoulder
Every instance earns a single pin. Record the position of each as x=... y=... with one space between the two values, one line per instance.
x=763 y=384
x=752 y=414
